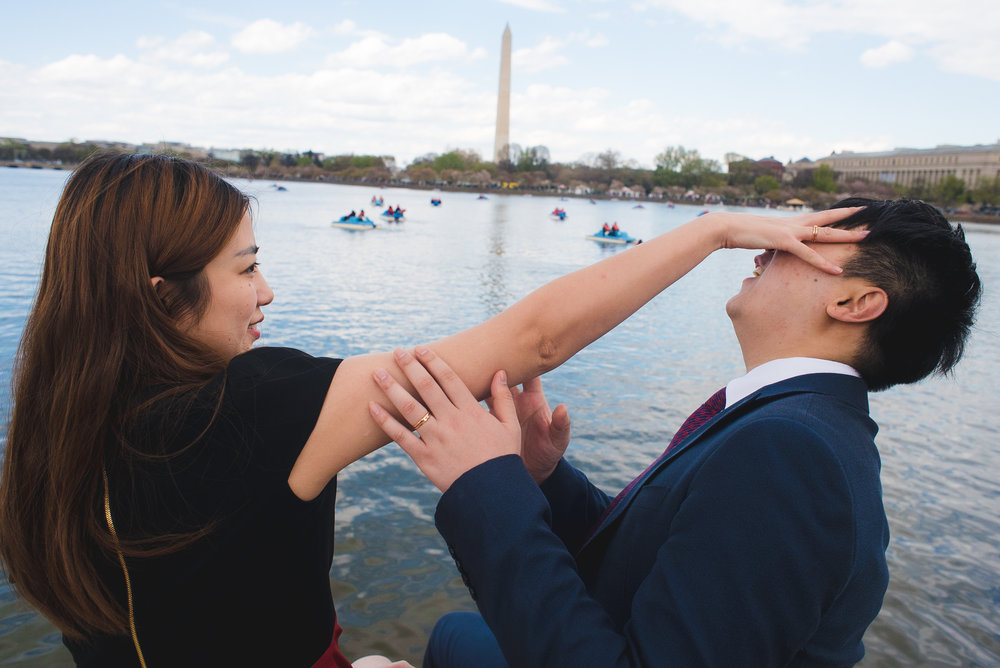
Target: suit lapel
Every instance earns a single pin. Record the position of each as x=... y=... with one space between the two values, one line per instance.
x=715 y=421
x=847 y=388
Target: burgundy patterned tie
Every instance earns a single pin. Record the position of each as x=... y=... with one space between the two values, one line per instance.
x=703 y=414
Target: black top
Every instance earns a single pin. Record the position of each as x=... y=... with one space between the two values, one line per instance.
x=255 y=591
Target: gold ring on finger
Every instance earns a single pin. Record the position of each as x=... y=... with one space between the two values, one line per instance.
x=815 y=232
x=420 y=423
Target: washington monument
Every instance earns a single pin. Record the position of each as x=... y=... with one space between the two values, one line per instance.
x=501 y=150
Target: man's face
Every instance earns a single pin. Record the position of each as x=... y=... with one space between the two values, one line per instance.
x=786 y=298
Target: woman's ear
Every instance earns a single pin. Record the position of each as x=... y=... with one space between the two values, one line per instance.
x=863 y=303
x=155 y=282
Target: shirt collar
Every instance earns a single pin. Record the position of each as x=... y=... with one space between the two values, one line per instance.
x=778 y=370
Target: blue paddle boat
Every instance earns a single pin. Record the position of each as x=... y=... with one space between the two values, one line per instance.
x=620 y=238
x=354 y=223
x=393 y=215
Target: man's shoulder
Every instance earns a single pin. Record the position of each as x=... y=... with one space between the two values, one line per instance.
x=810 y=395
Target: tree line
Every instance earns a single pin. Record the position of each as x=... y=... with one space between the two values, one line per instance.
x=679 y=174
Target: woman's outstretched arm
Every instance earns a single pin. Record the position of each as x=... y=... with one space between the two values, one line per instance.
x=550 y=325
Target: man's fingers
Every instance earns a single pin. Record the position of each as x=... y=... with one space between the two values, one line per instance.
x=503 y=401
x=533 y=385
x=560 y=418
x=559 y=427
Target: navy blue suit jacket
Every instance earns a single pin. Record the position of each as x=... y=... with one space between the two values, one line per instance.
x=759 y=541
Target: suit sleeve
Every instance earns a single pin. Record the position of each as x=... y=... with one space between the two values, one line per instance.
x=575 y=504
x=760 y=544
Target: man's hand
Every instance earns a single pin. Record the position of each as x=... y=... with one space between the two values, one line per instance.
x=544 y=433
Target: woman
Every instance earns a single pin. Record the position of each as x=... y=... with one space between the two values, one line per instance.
x=167 y=493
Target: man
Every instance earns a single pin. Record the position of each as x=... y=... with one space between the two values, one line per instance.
x=759 y=537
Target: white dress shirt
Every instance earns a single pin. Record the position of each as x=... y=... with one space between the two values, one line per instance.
x=778 y=370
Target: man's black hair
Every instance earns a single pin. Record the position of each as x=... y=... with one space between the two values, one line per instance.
x=926 y=269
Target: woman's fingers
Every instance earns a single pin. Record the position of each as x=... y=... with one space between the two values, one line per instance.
x=460 y=435
x=410 y=408
x=806 y=253
x=402 y=435
x=430 y=393
x=456 y=390
x=829 y=216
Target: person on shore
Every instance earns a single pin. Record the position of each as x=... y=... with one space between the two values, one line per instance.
x=168 y=489
x=758 y=537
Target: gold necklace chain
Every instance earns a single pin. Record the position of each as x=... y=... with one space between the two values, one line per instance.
x=121 y=560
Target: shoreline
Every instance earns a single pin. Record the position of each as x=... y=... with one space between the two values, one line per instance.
x=951 y=217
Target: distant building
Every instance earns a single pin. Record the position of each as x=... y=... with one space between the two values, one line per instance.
x=803 y=166
x=770 y=166
x=173 y=148
x=228 y=154
x=912 y=166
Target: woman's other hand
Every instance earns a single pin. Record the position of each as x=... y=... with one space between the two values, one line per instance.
x=792 y=234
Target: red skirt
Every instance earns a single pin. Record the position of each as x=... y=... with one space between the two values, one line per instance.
x=332 y=658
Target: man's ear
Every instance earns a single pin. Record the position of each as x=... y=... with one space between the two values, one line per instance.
x=863 y=303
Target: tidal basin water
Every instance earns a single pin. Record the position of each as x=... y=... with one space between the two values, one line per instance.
x=340 y=293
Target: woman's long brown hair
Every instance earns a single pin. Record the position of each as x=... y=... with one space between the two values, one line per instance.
x=99 y=336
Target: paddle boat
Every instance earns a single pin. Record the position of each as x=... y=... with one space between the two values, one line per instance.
x=638 y=206
x=613 y=236
x=559 y=214
x=482 y=197
x=354 y=223
x=377 y=201
x=278 y=188
x=436 y=201
x=394 y=215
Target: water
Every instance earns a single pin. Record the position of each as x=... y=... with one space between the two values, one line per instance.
x=340 y=293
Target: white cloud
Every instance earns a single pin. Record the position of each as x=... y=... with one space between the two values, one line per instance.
x=82 y=71
x=269 y=36
x=980 y=58
x=587 y=38
x=887 y=54
x=541 y=57
x=536 y=5
x=89 y=97
x=195 y=47
x=378 y=51
x=960 y=34
x=345 y=27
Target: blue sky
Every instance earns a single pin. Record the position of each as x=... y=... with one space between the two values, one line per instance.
x=788 y=78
